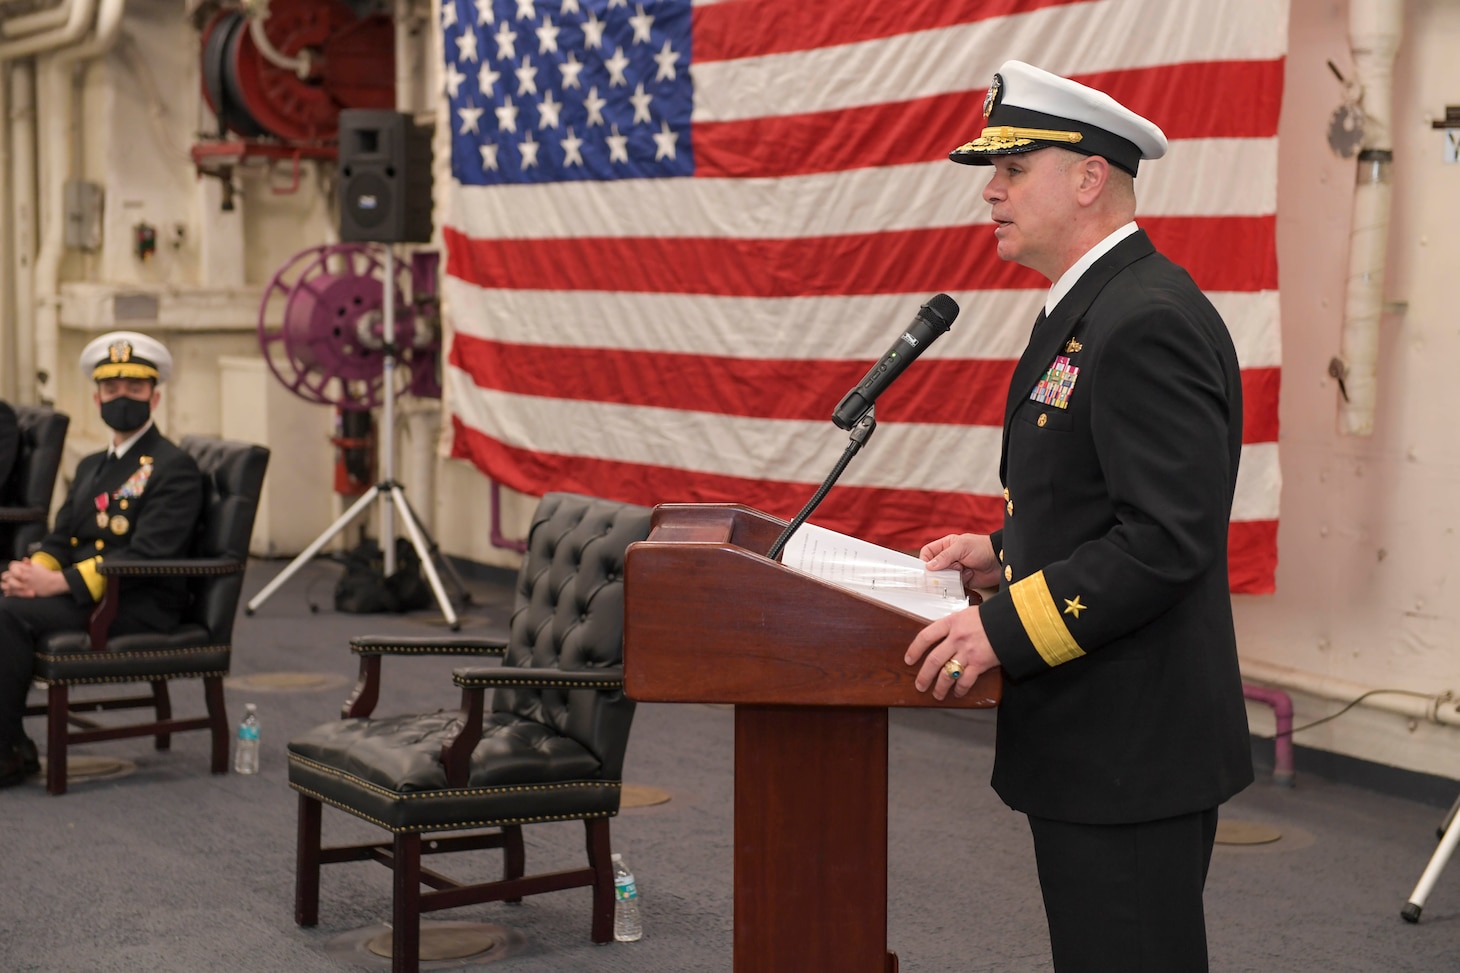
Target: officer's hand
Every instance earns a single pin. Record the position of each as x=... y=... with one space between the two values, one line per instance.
x=957 y=636
x=26 y=579
x=15 y=582
x=8 y=579
x=972 y=554
x=45 y=583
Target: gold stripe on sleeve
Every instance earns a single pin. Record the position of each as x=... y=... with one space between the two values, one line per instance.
x=1042 y=622
x=95 y=583
x=45 y=560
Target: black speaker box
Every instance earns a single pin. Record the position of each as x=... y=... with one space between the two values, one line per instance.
x=385 y=177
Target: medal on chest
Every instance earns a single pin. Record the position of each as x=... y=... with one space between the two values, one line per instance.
x=137 y=482
x=133 y=488
x=1057 y=384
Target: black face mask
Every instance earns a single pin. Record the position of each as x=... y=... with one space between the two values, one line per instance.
x=126 y=415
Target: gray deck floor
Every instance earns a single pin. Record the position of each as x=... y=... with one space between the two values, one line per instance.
x=172 y=869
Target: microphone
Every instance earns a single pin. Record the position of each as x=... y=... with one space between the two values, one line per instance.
x=933 y=319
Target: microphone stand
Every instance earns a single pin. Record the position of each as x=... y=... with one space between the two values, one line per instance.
x=861 y=432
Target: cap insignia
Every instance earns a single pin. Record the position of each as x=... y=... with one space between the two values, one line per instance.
x=120 y=351
x=992 y=98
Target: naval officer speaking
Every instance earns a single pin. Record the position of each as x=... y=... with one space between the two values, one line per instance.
x=1122 y=725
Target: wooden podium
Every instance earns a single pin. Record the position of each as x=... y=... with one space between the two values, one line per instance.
x=811 y=669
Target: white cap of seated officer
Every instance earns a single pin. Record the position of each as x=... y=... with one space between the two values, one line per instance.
x=125 y=354
x=1028 y=109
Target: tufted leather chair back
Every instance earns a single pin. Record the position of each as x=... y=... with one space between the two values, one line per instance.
x=569 y=615
x=233 y=479
x=33 y=480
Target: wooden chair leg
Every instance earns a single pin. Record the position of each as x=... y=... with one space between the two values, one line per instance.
x=306 y=863
x=600 y=859
x=58 y=702
x=405 y=950
x=162 y=703
x=218 y=725
x=514 y=858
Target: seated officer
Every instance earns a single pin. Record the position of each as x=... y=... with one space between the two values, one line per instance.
x=9 y=454
x=9 y=447
x=139 y=498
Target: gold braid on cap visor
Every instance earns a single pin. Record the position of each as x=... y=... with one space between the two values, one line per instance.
x=1001 y=137
x=123 y=369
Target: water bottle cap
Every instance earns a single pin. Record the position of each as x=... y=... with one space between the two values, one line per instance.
x=250 y=707
x=616 y=857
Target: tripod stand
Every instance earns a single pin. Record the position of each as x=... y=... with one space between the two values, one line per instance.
x=1449 y=839
x=388 y=491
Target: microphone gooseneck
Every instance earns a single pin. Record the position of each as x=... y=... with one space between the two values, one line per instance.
x=855 y=412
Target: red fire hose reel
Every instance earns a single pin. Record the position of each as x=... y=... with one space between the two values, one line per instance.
x=264 y=109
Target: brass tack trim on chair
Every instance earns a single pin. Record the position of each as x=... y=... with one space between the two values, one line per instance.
x=427 y=650
x=157 y=571
x=343 y=807
x=449 y=826
x=127 y=654
x=491 y=682
x=452 y=791
x=149 y=677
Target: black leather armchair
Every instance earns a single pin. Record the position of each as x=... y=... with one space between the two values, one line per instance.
x=27 y=510
x=200 y=648
x=551 y=748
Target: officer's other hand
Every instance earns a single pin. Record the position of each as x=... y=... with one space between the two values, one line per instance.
x=15 y=582
x=972 y=554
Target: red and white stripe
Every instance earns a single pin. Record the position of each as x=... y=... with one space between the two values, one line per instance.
x=687 y=339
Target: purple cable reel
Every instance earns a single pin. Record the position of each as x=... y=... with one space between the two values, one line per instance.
x=321 y=325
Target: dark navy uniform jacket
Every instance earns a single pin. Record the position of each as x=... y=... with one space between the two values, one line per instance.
x=144 y=505
x=9 y=451
x=1122 y=700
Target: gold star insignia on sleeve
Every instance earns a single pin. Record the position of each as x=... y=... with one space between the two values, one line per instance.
x=1073 y=606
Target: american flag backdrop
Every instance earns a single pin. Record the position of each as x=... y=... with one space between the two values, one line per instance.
x=678 y=232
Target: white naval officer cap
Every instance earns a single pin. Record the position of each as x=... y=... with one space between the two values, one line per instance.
x=125 y=354
x=1028 y=108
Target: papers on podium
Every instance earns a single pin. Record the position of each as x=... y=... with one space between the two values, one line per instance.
x=890 y=577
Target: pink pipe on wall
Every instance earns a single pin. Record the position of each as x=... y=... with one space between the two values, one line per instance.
x=498 y=538
x=1282 y=711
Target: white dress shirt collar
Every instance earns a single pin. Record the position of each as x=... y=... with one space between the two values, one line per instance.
x=121 y=450
x=1069 y=278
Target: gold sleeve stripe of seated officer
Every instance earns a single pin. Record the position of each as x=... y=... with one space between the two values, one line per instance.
x=92 y=578
x=45 y=560
x=95 y=583
x=1042 y=621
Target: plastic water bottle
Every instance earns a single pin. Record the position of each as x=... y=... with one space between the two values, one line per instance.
x=626 y=928
x=246 y=753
